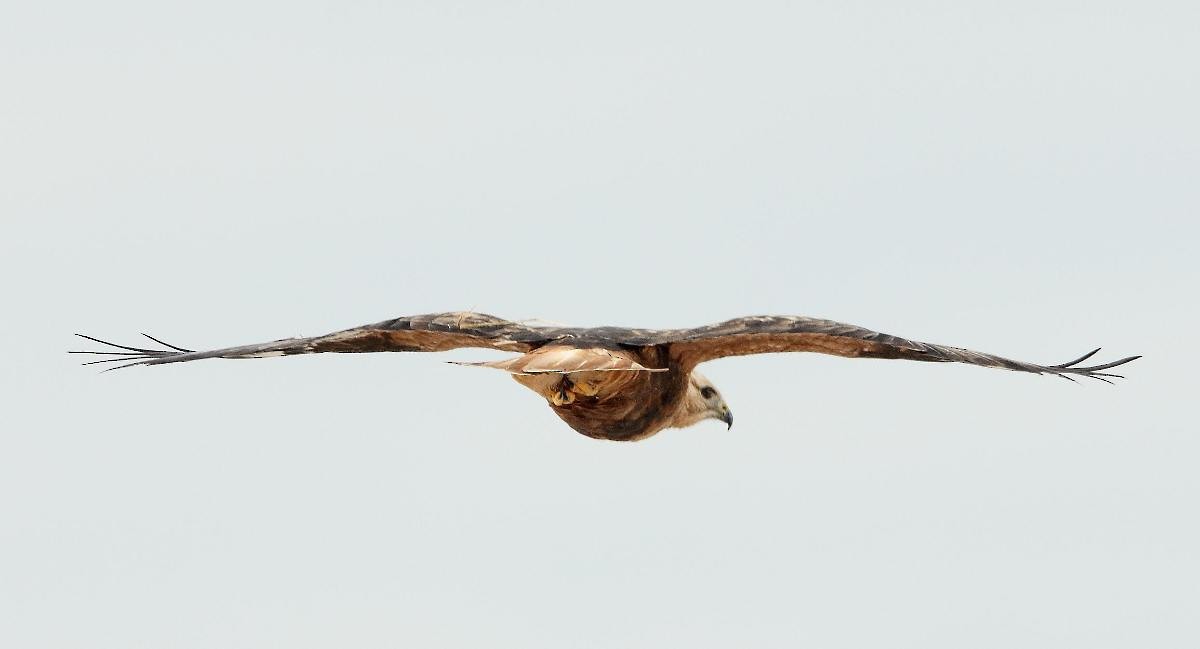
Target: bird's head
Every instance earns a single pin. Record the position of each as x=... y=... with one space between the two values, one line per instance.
x=703 y=401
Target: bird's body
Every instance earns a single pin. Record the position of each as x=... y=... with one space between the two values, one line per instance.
x=624 y=405
x=611 y=382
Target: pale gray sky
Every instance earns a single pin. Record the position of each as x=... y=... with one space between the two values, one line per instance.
x=1017 y=177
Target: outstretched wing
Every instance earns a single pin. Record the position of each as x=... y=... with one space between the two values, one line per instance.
x=421 y=333
x=769 y=334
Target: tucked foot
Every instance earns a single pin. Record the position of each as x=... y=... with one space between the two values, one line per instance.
x=565 y=394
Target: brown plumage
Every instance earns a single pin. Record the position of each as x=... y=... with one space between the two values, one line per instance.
x=612 y=382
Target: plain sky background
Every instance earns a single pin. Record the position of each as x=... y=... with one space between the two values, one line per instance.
x=1015 y=177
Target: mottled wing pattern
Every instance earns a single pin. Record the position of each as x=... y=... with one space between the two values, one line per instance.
x=769 y=334
x=421 y=333
x=688 y=347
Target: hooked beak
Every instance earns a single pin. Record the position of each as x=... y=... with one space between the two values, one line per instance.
x=727 y=417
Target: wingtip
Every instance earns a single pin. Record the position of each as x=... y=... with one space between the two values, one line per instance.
x=166 y=344
x=120 y=367
x=1077 y=360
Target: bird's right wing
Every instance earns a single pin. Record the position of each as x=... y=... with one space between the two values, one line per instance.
x=771 y=334
x=434 y=332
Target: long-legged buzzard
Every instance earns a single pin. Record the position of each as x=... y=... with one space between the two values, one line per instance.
x=612 y=382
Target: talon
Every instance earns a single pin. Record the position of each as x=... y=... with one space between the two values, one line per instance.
x=565 y=394
x=562 y=398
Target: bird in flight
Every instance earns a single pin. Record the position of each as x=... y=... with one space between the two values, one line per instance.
x=611 y=382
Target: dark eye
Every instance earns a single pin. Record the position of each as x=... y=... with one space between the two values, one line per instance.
x=707 y=392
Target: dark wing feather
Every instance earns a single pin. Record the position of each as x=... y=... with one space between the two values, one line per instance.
x=688 y=347
x=768 y=334
x=421 y=333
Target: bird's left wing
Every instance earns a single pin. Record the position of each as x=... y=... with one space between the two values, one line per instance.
x=421 y=333
x=769 y=334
